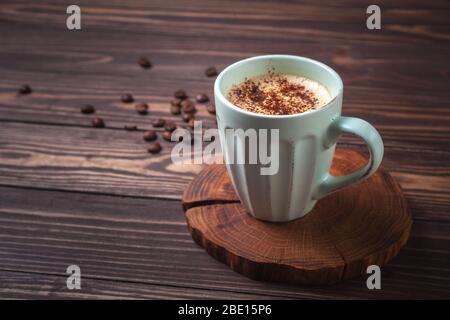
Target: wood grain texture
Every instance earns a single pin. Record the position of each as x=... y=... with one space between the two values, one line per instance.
x=147 y=241
x=365 y=224
x=381 y=85
x=396 y=78
x=112 y=161
x=21 y=285
x=89 y=160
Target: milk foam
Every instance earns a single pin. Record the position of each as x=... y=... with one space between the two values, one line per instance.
x=279 y=94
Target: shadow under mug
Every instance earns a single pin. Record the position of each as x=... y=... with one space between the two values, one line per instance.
x=306 y=142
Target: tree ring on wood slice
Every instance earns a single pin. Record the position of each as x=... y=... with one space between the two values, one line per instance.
x=361 y=225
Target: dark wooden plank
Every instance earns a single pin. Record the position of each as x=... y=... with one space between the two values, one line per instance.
x=94 y=160
x=249 y=19
x=144 y=240
x=407 y=99
x=117 y=162
x=407 y=127
x=22 y=285
x=400 y=122
x=396 y=78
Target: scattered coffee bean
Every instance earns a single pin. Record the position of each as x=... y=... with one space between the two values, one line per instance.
x=144 y=63
x=158 y=123
x=175 y=110
x=130 y=127
x=175 y=102
x=98 y=123
x=87 y=109
x=150 y=135
x=25 y=89
x=170 y=126
x=167 y=135
x=180 y=94
x=211 y=108
x=211 y=72
x=188 y=106
x=187 y=116
x=141 y=108
x=187 y=103
x=202 y=98
x=127 y=98
x=155 y=147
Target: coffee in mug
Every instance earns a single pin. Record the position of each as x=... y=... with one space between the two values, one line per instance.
x=279 y=94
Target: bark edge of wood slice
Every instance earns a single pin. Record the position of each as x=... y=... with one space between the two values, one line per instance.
x=361 y=225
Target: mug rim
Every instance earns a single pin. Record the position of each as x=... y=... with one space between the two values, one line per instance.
x=218 y=92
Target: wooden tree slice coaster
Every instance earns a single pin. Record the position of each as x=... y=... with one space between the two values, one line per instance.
x=361 y=225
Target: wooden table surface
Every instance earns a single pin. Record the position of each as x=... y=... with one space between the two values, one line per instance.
x=73 y=194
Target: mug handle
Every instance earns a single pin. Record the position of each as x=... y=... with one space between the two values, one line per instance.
x=370 y=135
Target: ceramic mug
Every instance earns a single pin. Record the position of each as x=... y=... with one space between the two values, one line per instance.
x=306 y=146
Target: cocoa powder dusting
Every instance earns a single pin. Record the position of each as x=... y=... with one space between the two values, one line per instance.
x=276 y=94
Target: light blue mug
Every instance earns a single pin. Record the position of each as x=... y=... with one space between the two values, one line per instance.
x=307 y=141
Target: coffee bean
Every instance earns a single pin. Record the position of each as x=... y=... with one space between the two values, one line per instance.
x=155 y=147
x=188 y=106
x=167 y=135
x=150 y=135
x=127 y=98
x=144 y=63
x=211 y=72
x=202 y=98
x=187 y=103
x=170 y=126
x=141 y=108
x=175 y=102
x=187 y=116
x=130 y=127
x=180 y=94
x=158 y=123
x=87 y=109
x=98 y=123
x=25 y=89
x=211 y=108
x=175 y=110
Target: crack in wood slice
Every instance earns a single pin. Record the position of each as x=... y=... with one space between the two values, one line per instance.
x=364 y=224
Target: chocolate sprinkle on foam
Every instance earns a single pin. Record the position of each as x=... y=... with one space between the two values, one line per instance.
x=279 y=94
